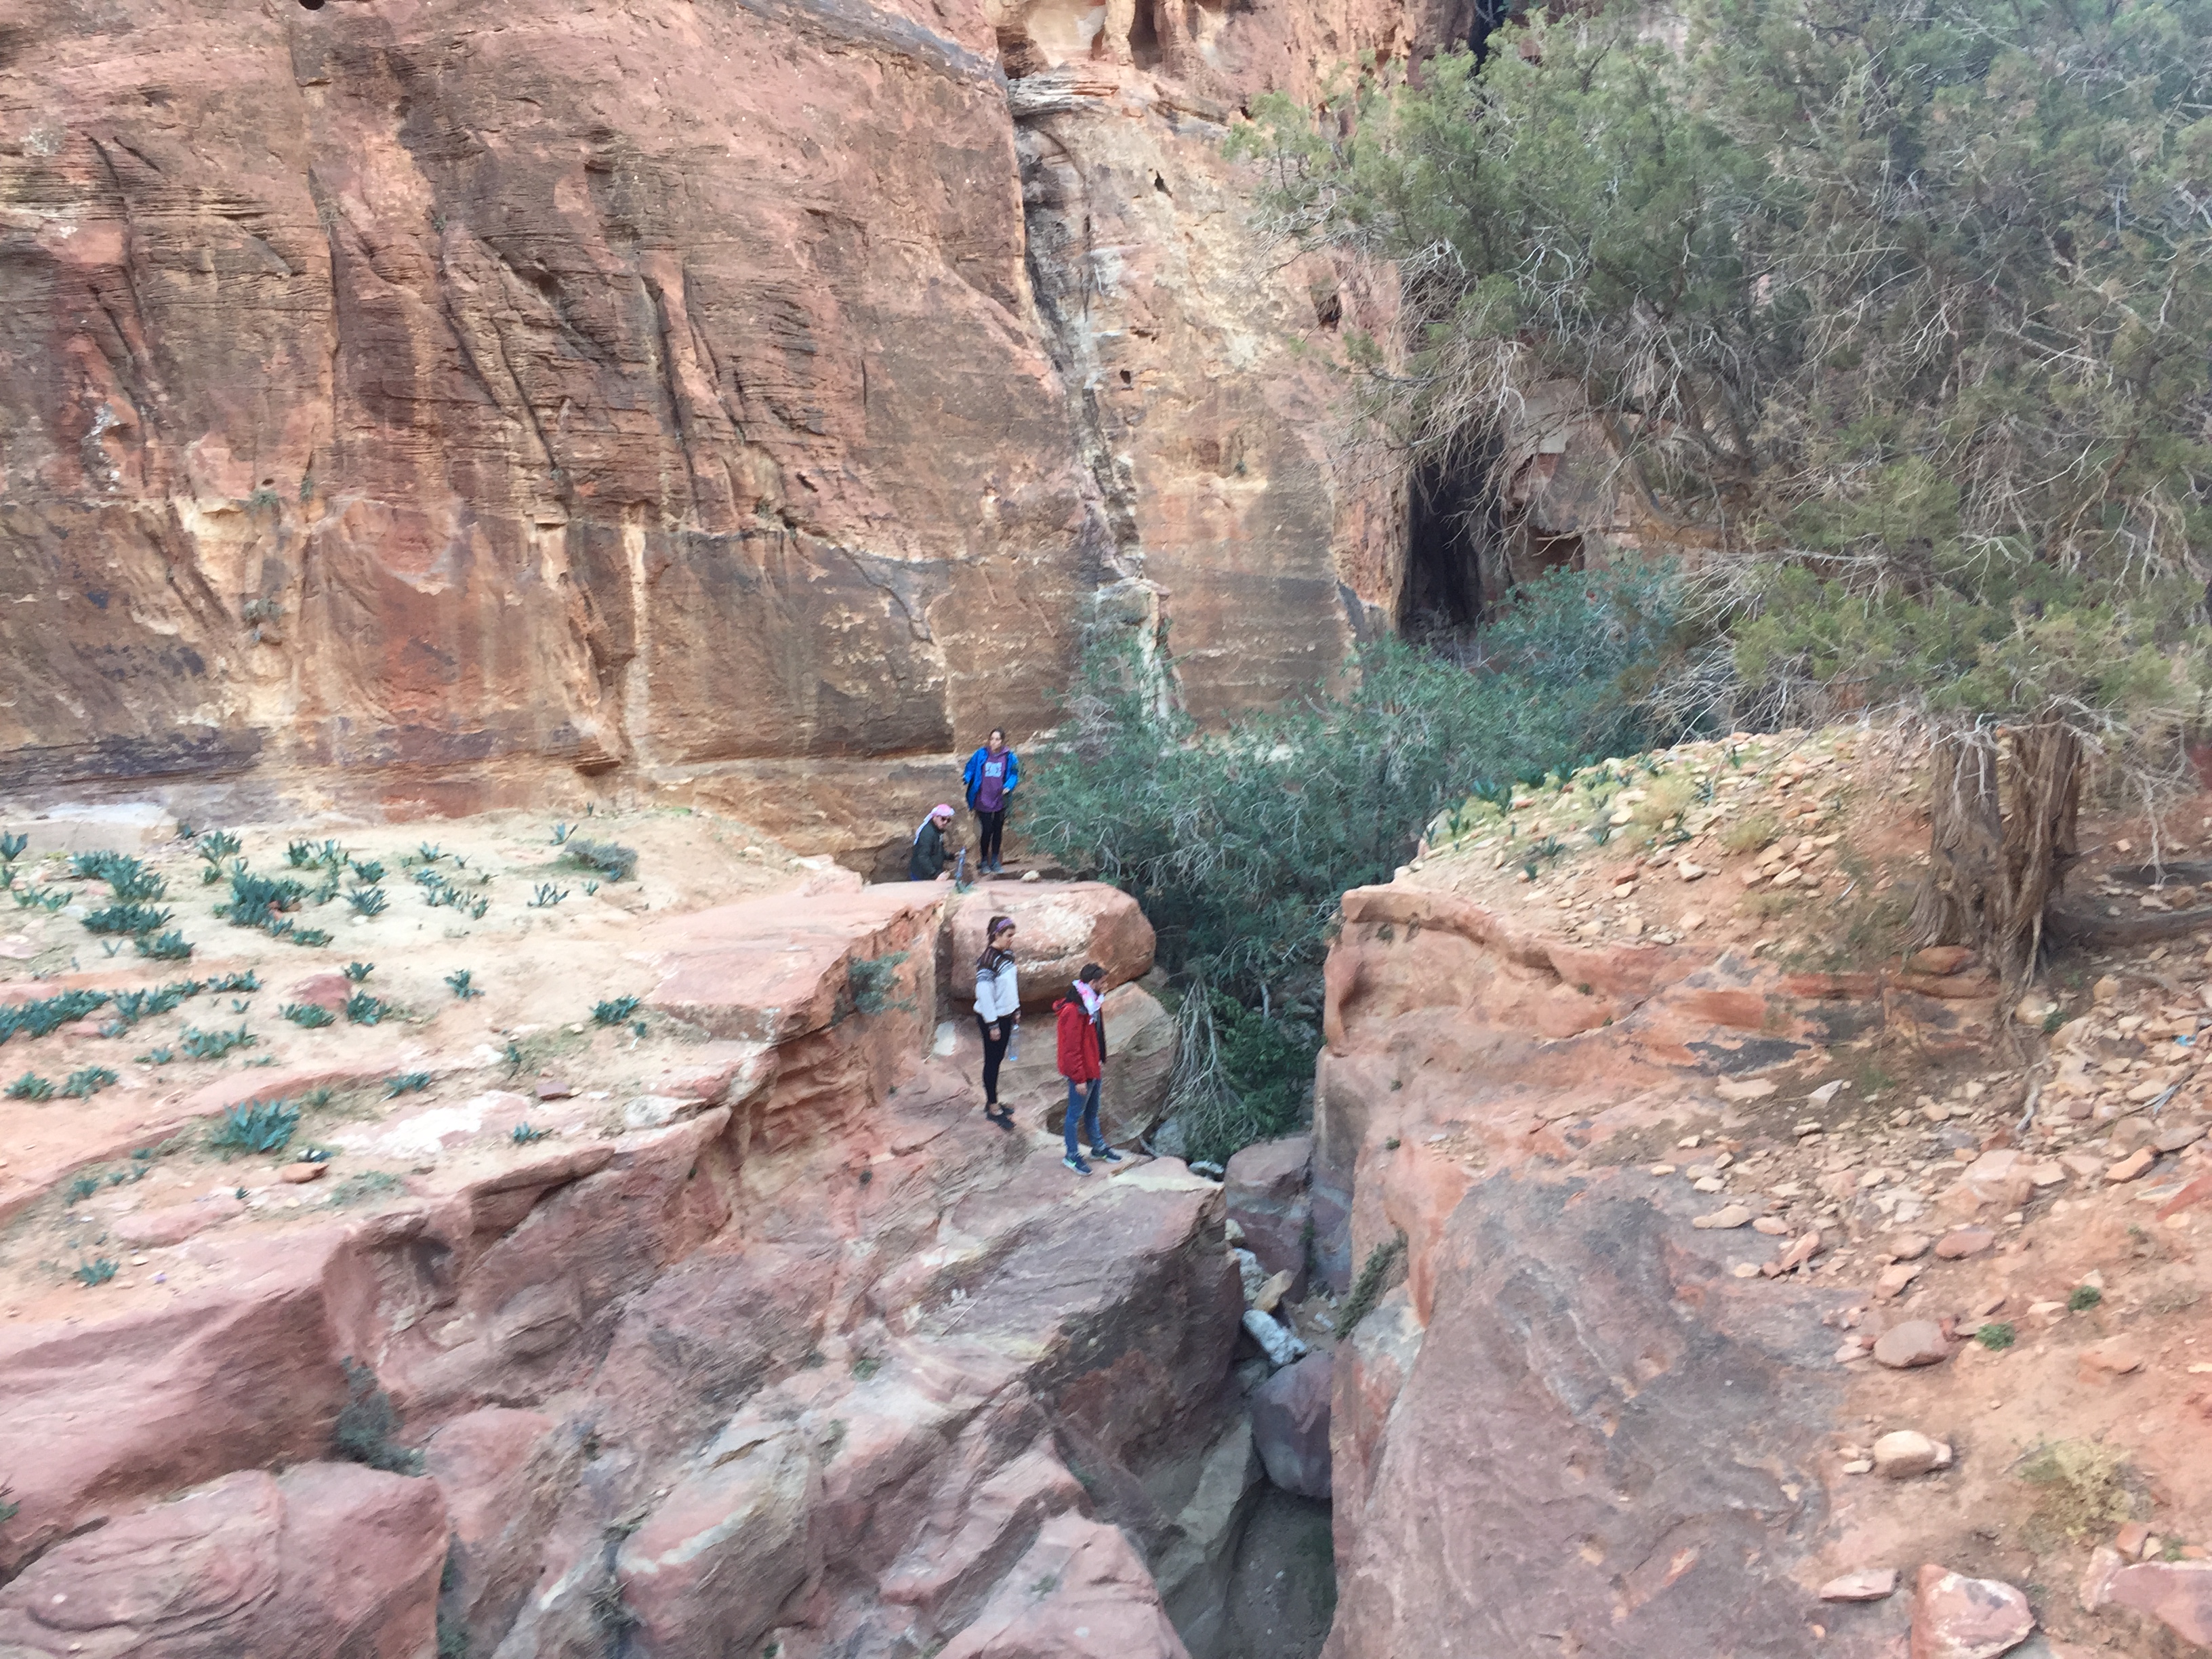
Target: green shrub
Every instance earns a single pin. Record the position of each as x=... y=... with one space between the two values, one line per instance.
x=260 y=1126
x=364 y=1009
x=133 y=918
x=616 y=863
x=89 y=1081
x=98 y=1271
x=39 y=1018
x=1374 y=1279
x=462 y=983
x=306 y=1015
x=1996 y=1336
x=871 y=980
x=614 y=1010
x=2082 y=1297
x=405 y=1082
x=368 y=1425
x=172 y=946
x=30 y=1086
x=1239 y=843
x=1240 y=1075
x=214 y=1045
x=257 y=901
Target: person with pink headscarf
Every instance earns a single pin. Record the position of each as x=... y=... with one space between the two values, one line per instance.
x=927 y=861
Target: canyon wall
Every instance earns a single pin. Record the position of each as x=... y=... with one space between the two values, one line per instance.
x=410 y=406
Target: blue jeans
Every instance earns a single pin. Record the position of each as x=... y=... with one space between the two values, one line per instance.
x=1082 y=1101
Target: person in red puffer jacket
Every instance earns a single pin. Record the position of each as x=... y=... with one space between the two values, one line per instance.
x=1081 y=1026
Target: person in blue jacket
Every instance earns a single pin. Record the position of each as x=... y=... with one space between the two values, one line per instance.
x=993 y=772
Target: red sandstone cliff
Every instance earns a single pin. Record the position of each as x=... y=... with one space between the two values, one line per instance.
x=416 y=404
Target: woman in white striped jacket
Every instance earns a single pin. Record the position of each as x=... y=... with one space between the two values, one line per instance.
x=998 y=1010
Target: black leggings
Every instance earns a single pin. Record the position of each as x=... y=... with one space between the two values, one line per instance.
x=994 y=1050
x=994 y=831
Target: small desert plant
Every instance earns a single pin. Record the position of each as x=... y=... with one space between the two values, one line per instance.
x=300 y=854
x=80 y=1189
x=172 y=946
x=255 y=901
x=2083 y=1487
x=134 y=919
x=406 y=1083
x=259 y=1126
x=367 y=1427
x=361 y=1186
x=13 y=847
x=98 y=1271
x=363 y=1009
x=614 y=1011
x=616 y=863
x=426 y=854
x=83 y=1084
x=560 y=834
x=161 y=1056
x=8 y=1510
x=871 y=981
x=370 y=871
x=462 y=983
x=30 y=1086
x=42 y=1016
x=1373 y=1281
x=358 y=972
x=547 y=895
x=306 y=1015
x=2082 y=1297
x=1996 y=1336
x=367 y=901
x=214 y=1045
x=1752 y=834
x=248 y=981
x=523 y=1134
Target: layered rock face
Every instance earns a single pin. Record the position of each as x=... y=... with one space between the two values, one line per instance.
x=417 y=405
x=794 y=1353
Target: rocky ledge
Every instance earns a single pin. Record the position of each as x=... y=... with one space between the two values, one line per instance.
x=728 y=1326
x=1721 y=1280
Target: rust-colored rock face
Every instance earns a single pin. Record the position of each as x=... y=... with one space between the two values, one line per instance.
x=422 y=406
x=795 y=1352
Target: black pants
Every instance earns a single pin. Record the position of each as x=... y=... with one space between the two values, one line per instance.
x=994 y=831
x=994 y=1050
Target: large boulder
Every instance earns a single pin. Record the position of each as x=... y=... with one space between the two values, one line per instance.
x=717 y=1559
x=146 y=1397
x=1289 y=1426
x=325 y=1558
x=504 y=1473
x=1059 y=925
x=1265 y=1188
x=1081 y=1592
x=1586 y=1346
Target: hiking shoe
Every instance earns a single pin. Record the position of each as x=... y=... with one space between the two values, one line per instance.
x=1106 y=1154
x=1005 y=1120
x=1076 y=1165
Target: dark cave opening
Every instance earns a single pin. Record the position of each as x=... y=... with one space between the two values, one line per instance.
x=1451 y=519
